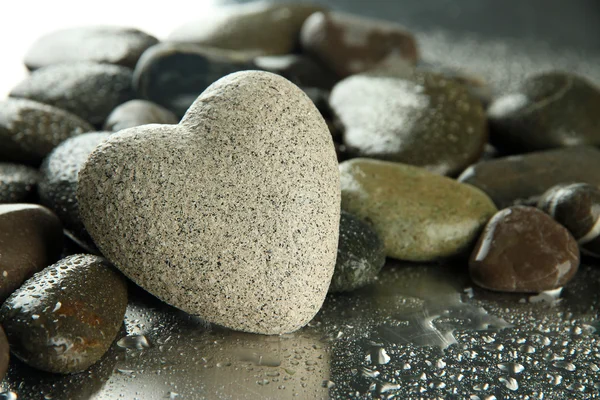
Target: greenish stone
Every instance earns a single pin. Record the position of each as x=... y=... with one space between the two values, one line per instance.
x=360 y=255
x=420 y=216
x=66 y=317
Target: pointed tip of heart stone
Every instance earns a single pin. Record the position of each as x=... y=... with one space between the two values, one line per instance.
x=231 y=215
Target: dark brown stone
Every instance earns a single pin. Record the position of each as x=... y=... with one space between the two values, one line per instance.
x=549 y=110
x=103 y=44
x=421 y=119
x=350 y=44
x=4 y=354
x=577 y=207
x=31 y=238
x=522 y=179
x=523 y=249
x=18 y=183
x=89 y=90
x=30 y=130
x=66 y=317
x=299 y=69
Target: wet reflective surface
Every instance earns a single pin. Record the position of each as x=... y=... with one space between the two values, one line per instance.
x=421 y=331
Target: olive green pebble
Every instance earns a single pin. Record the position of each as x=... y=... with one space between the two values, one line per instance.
x=66 y=317
x=360 y=255
x=4 y=354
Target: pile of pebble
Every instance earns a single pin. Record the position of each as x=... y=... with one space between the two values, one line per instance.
x=209 y=170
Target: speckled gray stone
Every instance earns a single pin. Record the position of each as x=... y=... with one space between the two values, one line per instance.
x=18 y=183
x=136 y=113
x=58 y=184
x=231 y=215
x=104 y=44
x=86 y=89
x=30 y=130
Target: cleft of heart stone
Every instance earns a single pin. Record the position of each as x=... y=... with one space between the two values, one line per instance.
x=233 y=214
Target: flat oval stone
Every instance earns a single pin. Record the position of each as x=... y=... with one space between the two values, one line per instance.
x=136 y=113
x=258 y=27
x=88 y=90
x=549 y=110
x=419 y=215
x=103 y=44
x=59 y=177
x=232 y=214
x=4 y=353
x=65 y=317
x=522 y=179
x=576 y=206
x=350 y=44
x=360 y=255
x=427 y=120
x=18 y=183
x=31 y=238
x=523 y=249
x=299 y=69
x=173 y=75
x=30 y=130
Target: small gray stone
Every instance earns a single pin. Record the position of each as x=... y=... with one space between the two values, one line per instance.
x=103 y=44
x=175 y=74
x=88 y=90
x=58 y=184
x=360 y=257
x=231 y=215
x=18 y=183
x=136 y=113
x=66 y=317
x=30 y=130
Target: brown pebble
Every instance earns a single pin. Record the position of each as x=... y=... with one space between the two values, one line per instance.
x=523 y=249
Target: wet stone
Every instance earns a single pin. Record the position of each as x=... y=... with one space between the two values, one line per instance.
x=299 y=69
x=419 y=215
x=136 y=113
x=59 y=177
x=89 y=90
x=522 y=179
x=350 y=44
x=523 y=249
x=65 y=317
x=18 y=183
x=30 y=130
x=549 y=110
x=259 y=27
x=103 y=44
x=173 y=75
x=576 y=206
x=248 y=239
x=31 y=238
x=4 y=354
x=426 y=120
x=360 y=256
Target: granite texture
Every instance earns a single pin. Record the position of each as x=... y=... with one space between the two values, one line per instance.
x=30 y=130
x=59 y=177
x=65 y=317
x=421 y=119
x=89 y=90
x=419 y=215
x=136 y=113
x=523 y=249
x=18 y=183
x=103 y=44
x=260 y=27
x=231 y=215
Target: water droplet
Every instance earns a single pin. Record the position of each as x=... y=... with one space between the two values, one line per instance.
x=511 y=367
x=509 y=383
x=565 y=365
x=137 y=342
x=8 y=396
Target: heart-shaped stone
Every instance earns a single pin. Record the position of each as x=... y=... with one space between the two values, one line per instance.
x=231 y=215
